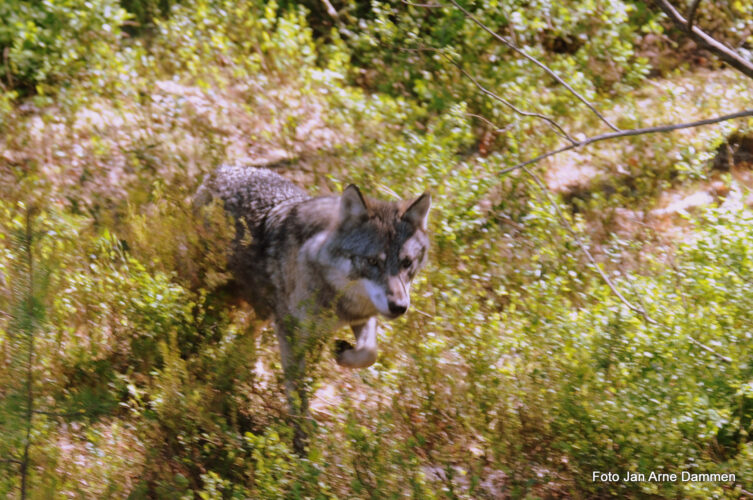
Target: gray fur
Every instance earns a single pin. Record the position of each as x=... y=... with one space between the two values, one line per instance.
x=318 y=263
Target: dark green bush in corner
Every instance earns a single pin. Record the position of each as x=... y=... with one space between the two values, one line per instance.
x=45 y=43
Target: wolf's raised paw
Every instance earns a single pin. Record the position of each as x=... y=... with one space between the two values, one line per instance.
x=341 y=346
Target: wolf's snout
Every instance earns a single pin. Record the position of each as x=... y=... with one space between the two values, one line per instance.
x=397 y=308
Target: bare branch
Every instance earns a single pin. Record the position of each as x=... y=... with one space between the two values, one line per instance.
x=497 y=128
x=691 y=13
x=709 y=350
x=538 y=63
x=702 y=38
x=423 y=5
x=636 y=309
x=337 y=18
x=640 y=310
x=584 y=249
x=330 y=9
x=686 y=306
x=629 y=133
x=496 y=97
x=510 y=105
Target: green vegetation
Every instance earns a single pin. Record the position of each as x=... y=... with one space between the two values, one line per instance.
x=127 y=372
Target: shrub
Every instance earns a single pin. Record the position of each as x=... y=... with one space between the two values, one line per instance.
x=48 y=43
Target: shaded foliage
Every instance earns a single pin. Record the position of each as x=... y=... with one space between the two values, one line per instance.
x=517 y=373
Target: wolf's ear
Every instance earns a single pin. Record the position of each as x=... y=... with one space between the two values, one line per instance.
x=352 y=204
x=418 y=211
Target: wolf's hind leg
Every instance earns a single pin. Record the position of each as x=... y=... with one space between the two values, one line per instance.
x=365 y=352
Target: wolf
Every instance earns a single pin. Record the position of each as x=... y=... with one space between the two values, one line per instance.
x=315 y=264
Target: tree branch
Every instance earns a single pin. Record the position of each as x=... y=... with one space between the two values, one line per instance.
x=510 y=105
x=584 y=249
x=497 y=128
x=538 y=63
x=691 y=13
x=330 y=9
x=629 y=133
x=702 y=38
x=423 y=5
x=496 y=97
x=716 y=47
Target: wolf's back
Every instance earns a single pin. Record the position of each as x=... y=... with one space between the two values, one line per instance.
x=250 y=193
x=258 y=199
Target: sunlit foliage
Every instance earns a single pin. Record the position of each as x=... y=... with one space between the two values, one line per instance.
x=127 y=370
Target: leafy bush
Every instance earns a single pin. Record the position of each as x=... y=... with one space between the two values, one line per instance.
x=146 y=12
x=50 y=42
x=405 y=49
x=243 y=36
x=518 y=371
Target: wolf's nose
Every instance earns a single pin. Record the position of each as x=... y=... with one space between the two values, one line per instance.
x=396 y=308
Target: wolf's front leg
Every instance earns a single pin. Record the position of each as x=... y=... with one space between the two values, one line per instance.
x=293 y=359
x=365 y=352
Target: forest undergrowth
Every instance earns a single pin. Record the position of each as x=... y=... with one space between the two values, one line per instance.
x=127 y=372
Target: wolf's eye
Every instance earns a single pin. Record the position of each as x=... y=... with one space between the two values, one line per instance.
x=405 y=263
x=372 y=261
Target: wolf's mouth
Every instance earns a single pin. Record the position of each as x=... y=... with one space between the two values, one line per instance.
x=392 y=316
x=341 y=346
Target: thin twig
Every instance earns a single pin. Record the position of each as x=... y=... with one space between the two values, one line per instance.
x=691 y=13
x=636 y=309
x=423 y=5
x=724 y=53
x=583 y=248
x=389 y=191
x=320 y=411
x=709 y=350
x=510 y=105
x=337 y=17
x=557 y=128
x=497 y=128
x=629 y=133
x=538 y=63
x=330 y=9
x=419 y=311
x=634 y=290
x=686 y=308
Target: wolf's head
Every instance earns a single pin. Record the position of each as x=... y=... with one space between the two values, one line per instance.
x=380 y=247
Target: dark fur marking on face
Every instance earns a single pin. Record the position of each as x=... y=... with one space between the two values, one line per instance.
x=374 y=243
